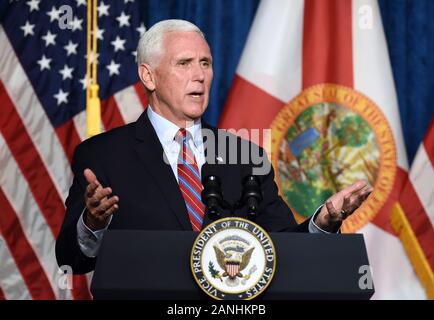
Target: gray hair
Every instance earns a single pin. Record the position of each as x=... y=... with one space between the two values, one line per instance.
x=150 y=44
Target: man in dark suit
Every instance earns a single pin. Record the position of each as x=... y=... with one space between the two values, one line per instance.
x=130 y=177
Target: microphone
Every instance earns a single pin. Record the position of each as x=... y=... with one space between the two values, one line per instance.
x=212 y=195
x=252 y=193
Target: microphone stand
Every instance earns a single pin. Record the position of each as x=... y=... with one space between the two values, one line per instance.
x=212 y=197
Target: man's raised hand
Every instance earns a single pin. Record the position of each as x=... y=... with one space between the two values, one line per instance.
x=100 y=205
x=341 y=205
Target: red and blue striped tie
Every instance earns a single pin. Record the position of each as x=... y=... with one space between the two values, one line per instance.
x=189 y=181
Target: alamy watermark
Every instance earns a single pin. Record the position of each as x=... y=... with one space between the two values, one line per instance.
x=65 y=278
x=365 y=281
x=366 y=17
x=227 y=147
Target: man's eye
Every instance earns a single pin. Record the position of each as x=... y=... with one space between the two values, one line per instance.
x=183 y=63
x=205 y=64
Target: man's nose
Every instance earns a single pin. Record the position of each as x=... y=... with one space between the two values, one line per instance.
x=198 y=73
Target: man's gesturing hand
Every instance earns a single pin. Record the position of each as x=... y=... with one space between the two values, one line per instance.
x=342 y=204
x=99 y=205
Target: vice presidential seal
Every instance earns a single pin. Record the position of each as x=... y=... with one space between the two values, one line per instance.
x=233 y=259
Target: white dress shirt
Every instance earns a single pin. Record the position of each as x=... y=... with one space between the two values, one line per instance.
x=90 y=241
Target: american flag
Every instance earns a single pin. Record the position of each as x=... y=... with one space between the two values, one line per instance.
x=42 y=119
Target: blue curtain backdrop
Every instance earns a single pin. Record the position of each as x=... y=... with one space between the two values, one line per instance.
x=409 y=28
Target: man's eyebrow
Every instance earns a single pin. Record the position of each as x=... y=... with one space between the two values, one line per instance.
x=184 y=59
x=189 y=59
x=208 y=59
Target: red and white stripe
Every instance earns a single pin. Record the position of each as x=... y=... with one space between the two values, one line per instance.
x=232 y=269
x=21 y=213
x=35 y=177
x=295 y=44
x=129 y=104
x=10 y=277
x=417 y=198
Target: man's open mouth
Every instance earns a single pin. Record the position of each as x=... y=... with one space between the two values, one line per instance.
x=196 y=94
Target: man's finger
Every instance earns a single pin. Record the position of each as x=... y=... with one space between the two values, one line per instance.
x=91 y=188
x=331 y=209
x=107 y=204
x=99 y=196
x=346 y=205
x=357 y=200
x=111 y=210
x=355 y=187
x=90 y=176
x=95 y=200
x=362 y=196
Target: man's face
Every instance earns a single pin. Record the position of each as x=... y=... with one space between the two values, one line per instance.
x=183 y=77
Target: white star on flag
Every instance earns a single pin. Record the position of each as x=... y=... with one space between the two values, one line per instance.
x=123 y=20
x=76 y=24
x=141 y=29
x=83 y=82
x=71 y=48
x=49 y=38
x=44 y=63
x=103 y=9
x=28 y=28
x=33 y=4
x=54 y=14
x=66 y=72
x=99 y=34
x=91 y=57
x=113 y=68
x=118 y=44
x=61 y=97
x=80 y=2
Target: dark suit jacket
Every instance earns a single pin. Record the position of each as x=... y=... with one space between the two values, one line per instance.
x=129 y=159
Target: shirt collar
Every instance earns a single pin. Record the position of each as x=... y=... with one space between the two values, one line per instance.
x=166 y=130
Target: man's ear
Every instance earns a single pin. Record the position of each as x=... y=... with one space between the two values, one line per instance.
x=147 y=76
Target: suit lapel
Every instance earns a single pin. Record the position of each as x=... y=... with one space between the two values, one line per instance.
x=150 y=152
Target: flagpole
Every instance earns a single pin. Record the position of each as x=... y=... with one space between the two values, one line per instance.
x=401 y=226
x=93 y=104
